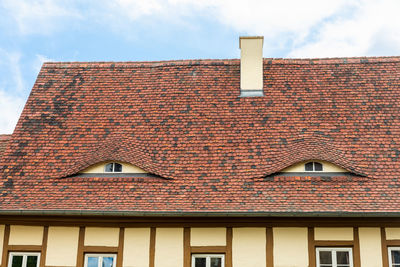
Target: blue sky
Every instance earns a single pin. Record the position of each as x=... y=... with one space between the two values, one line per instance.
x=35 y=31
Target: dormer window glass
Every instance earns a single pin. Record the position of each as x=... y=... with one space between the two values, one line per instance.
x=113 y=167
x=313 y=167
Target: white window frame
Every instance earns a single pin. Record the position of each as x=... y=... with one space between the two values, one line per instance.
x=101 y=256
x=313 y=164
x=390 y=249
x=113 y=167
x=334 y=250
x=208 y=258
x=24 y=259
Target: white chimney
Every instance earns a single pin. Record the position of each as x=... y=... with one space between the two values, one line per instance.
x=251 y=66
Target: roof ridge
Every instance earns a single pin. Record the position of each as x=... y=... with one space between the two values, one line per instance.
x=162 y=63
x=334 y=60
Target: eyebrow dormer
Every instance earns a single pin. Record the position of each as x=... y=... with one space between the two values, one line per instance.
x=115 y=169
x=314 y=166
x=110 y=167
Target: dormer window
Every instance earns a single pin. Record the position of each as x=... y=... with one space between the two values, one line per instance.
x=113 y=167
x=313 y=167
x=108 y=168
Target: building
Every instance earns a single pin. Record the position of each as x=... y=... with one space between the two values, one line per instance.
x=206 y=163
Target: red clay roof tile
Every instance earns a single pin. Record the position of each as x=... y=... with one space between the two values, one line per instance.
x=4 y=140
x=184 y=120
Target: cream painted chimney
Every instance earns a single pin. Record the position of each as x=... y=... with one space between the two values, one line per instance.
x=251 y=66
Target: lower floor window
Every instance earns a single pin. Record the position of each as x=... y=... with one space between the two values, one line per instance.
x=394 y=257
x=24 y=259
x=334 y=257
x=208 y=260
x=100 y=260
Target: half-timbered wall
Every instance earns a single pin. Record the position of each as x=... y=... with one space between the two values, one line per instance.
x=65 y=246
x=62 y=246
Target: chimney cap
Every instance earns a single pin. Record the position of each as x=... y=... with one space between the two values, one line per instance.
x=250 y=37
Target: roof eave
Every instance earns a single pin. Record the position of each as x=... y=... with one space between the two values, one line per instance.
x=195 y=214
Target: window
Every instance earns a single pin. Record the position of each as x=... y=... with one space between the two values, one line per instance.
x=208 y=260
x=24 y=259
x=100 y=260
x=394 y=257
x=113 y=167
x=313 y=167
x=334 y=257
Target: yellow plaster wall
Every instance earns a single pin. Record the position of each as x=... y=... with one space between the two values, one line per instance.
x=290 y=247
x=249 y=247
x=370 y=247
x=327 y=167
x=62 y=246
x=169 y=247
x=101 y=236
x=26 y=235
x=126 y=168
x=2 y=227
x=251 y=63
x=208 y=236
x=136 y=247
x=392 y=233
x=333 y=233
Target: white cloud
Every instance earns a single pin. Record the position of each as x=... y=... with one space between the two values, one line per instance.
x=137 y=9
x=38 y=16
x=373 y=29
x=283 y=23
x=274 y=17
x=11 y=67
x=11 y=107
x=308 y=28
x=11 y=91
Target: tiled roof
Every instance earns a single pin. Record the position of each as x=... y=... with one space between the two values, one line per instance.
x=184 y=121
x=4 y=139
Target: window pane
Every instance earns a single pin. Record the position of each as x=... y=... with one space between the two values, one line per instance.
x=200 y=262
x=93 y=262
x=342 y=257
x=216 y=262
x=325 y=257
x=309 y=167
x=109 y=167
x=396 y=256
x=16 y=261
x=117 y=167
x=108 y=261
x=317 y=166
x=31 y=261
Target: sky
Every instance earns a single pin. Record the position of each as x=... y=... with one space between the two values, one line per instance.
x=37 y=31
